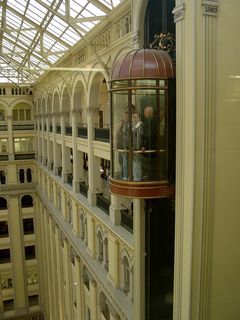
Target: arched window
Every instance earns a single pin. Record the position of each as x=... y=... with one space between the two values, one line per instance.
x=126 y=275
x=104 y=306
x=59 y=199
x=85 y=277
x=106 y=253
x=3 y=203
x=29 y=175
x=2 y=115
x=27 y=201
x=2 y=177
x=82 y=226
x=21 y=176
x=100 y=246
x=69 y=211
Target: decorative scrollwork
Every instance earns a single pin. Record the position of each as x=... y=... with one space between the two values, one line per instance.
x=166 y=42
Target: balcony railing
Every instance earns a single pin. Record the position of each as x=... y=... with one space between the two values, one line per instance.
x=59 y=171
x=102 y=134
x=69 y=178
x=24 y=156
x=103 y=203
x=3 y=127
x=82 y=132
x=83 y=188
x=58 y=129
x=3 y=157
x=29 y=126
x=127 y=220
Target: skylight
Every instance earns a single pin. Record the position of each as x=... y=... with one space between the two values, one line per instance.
x=35 y=34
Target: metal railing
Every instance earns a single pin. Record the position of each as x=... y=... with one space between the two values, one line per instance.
x=83 y=188
x=102 y=134
x=127 y=220
x=103 y=203
x=23 y=126
x=3 y=157
x=3 y=127
x=82 y=132
x=68 y=130
x=24 y=156
x=58 y=129
x=69 y=178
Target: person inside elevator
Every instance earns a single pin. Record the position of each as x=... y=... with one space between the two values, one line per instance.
x=122 y=144
x=137 y=143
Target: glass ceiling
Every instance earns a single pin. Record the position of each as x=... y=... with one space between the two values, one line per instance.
x=35 y=34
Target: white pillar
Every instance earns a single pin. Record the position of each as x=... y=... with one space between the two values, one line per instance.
x=10 y=139
x=113 y=271
x=139 y=259
x=17 y=255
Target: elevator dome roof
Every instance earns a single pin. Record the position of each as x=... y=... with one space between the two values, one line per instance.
x=144 y=64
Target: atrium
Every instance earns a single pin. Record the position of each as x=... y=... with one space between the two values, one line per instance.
x=119 y=155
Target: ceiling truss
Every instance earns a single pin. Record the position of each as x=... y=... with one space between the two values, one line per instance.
x=35 y=34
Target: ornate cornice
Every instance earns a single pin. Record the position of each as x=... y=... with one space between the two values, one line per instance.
x=17 y=189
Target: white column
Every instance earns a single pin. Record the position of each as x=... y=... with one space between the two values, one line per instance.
x=113 y=271
x=78 y=288
x=139 y=259
x=64 y=169
x=17 y=255
x=93 y=298
x=68 y=292
x=52 y=270
x=55 y=160
x=59 y=272
x=93 y=163
x=115 y=209
x=10 y=139
x=76 y=161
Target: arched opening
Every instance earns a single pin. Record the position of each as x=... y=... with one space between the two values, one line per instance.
x=2 y=177
x=3 y=203
x=27 y=201
x=29 y=175
x=21 y=176
x=100 y=246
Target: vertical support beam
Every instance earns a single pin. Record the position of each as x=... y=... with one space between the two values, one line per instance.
x=185 y=154
x=10 y=139
x=17 y=258
x=139 y=259
x=93 y=167
x=205 y=198
x=113 y=272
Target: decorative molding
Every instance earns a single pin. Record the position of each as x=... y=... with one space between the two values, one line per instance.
x=17 y=189
x=92 y=109
x=210 y=7
x=77 y=111
x=179 y=13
